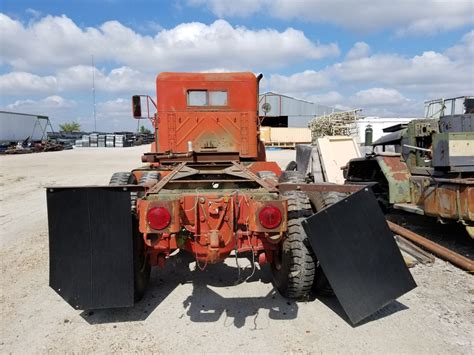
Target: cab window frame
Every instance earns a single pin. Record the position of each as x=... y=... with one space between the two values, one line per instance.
x=209 y=100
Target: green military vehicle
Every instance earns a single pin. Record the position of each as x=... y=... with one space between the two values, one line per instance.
x=425 y=166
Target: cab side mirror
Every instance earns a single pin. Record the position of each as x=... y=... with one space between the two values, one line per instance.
x=137 y=106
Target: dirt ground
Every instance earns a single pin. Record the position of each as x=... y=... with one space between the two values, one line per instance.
x=187 y=311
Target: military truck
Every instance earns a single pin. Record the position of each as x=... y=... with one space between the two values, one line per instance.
x=425 y=166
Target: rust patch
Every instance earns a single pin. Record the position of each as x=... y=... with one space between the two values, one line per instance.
x=400 y=176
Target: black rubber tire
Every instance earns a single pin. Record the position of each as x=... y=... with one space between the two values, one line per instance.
x=268 y=175
x=291 y=166
x=294 y=267
x=294 y=177
x=141 y=266
x=122 y=178
x=126 y=178
x=149 y=176
x=321 y=200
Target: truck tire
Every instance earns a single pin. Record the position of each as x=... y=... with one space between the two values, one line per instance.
x=320 y=201
x=122 y=178
x=292 y=177
x=294 y=267
x=267 y=175
x=141 y=266
x=126 y=178
x=149 y=177
x=291 y=166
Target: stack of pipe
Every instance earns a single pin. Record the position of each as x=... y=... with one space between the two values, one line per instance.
x=334 y=124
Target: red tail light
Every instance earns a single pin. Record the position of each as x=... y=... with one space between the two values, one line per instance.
x=158 y=217
x=270 y=217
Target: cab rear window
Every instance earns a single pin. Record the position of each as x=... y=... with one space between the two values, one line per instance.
x=207 y=98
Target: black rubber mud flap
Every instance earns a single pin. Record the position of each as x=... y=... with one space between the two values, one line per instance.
x=90 y=246
x=359 y=255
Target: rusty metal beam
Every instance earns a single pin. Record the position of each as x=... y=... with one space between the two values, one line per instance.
x=320 y=187
x=466 y=181
x=158 y=186
x=252 y=176
x=209 y=181
x=444 y=253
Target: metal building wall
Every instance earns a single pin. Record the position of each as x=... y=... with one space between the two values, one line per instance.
x=299 y=112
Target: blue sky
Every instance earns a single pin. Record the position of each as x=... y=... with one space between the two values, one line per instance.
x=386 y=57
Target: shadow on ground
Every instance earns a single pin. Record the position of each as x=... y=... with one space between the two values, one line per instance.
x=206 y=305
x=333 y=304
x=203 y=304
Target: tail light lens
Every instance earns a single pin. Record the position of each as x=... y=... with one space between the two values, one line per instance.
x=270 y=217
x=158 y=217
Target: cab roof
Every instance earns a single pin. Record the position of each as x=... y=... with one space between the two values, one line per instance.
x=179 y=76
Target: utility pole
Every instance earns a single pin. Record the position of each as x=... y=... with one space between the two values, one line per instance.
x=93 y=93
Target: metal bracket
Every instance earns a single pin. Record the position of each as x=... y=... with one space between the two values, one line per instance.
x=241 y=171
x=160 y=184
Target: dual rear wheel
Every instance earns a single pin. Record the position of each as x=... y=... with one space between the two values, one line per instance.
x=295 y=268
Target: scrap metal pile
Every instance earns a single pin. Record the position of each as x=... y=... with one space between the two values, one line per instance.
x=33 y=147
x=334 y=124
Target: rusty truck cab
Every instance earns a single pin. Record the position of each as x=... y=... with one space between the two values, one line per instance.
x=207 y=115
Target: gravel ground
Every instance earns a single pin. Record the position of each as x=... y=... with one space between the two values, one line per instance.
x=188 y=311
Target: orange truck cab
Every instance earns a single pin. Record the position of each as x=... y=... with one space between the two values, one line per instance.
x=209 y=114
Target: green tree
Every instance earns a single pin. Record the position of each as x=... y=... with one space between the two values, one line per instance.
x=70 y=127
x=144 y=130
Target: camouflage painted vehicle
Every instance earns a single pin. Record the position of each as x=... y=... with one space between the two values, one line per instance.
x=427 y=165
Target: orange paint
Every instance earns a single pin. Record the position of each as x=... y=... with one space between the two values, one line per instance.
x=231 y=127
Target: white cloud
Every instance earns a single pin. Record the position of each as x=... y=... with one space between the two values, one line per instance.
x=112 y=115
x=378 y=97
x=38 y=106
x=115 y=115
x=77 y=78
x=392 y=80
x=306 y=81
x=405 y=16
x=359 y=50
x=331 y=98
x=430 y=74
x=464 y=49
x=51 y=58
x=58 y=108
x=386 y=103
x=230 y=8
x=433 y=73
x=53 y=42
x=22 y=83
x=32 y=12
